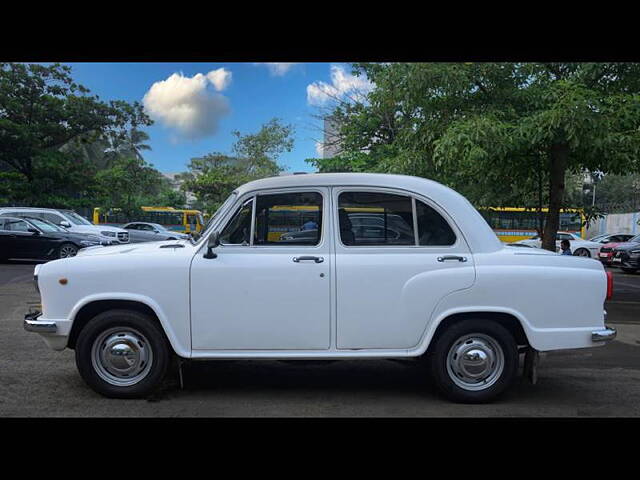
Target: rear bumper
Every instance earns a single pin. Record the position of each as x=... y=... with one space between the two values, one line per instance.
x=604 y=334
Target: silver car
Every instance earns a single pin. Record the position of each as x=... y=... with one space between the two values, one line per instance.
x=151 y=232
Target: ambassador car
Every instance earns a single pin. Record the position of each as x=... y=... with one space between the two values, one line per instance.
x=448 y=294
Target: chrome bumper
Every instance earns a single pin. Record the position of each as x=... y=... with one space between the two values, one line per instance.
x=32 y=324
x=603 y=335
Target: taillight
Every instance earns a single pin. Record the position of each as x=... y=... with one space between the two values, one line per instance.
x=609 y=285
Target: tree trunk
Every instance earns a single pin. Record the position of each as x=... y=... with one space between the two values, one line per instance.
x=558 y=166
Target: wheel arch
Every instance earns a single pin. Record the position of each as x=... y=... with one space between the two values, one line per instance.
x=89 y=308
x=512 y=321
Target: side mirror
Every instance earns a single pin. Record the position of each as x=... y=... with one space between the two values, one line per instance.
x=64 y=224
x=213 y=242
x=33 y=230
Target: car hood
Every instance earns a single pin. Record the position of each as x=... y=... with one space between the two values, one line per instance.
x=612 y=244
x=138 y=248
x=97 y=228
x=627 y=245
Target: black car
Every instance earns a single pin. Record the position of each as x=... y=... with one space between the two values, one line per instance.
x=38 y=239
x=627 y=257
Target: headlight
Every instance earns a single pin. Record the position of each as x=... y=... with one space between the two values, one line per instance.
x=90 y=242
x=108 y=234
x=93 y=238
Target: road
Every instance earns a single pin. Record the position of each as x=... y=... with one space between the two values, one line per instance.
x=36 y=381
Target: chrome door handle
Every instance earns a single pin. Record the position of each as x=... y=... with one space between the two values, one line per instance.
x=308 y=257
x=452 y=257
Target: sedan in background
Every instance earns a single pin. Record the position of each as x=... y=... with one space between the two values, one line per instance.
x=607 y=250
x=578 y=246
x=36 y=239
x=627 y=256
x=151 y=232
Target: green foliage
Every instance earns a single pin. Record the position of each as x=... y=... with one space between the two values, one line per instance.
x=500 y=133
x=213 y=177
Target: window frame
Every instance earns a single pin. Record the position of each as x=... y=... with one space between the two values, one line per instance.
x=460 y=240
x=324 y=195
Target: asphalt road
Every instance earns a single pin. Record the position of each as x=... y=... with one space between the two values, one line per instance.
x=37 y=381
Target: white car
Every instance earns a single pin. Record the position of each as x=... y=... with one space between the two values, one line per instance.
x=71 y=221
x=449 y=294
x=578 y=245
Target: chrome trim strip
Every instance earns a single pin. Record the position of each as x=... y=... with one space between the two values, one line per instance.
x=603 y=335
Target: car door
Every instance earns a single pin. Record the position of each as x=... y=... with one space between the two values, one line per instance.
x=263 y=292
x=23 y=243
x=387 y=289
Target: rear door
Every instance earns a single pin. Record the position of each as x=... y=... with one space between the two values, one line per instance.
x=391 y=273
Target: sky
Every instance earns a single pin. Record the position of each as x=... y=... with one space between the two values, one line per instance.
x=196 y=106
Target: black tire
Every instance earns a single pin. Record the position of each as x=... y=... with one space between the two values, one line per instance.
x=629 y=270
x=67 y=250
x=123 y=320
x=437 y=358
x=582 y=252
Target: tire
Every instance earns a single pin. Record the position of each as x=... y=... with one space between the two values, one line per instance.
x=582 y=252
x=132 y=372
x=629 y=270
x=490 y=340
x=67 y=250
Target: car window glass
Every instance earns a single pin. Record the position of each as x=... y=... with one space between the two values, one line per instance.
x=238 y=230
x=433 y=229
x=45 y=227
x=146 y=228
x=52 y=217
x=16 y=226
x=288 y=219
x=372 y=218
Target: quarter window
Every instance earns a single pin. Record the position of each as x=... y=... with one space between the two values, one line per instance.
x=288 y=219
x=432 y=228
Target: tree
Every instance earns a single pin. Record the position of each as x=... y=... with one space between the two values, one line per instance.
x=42 y=109
x=497 y=131
x=213 y=177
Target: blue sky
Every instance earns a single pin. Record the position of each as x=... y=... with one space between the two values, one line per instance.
x=254 y=95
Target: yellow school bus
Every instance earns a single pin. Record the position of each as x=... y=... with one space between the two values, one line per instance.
x=176 y=219
x=511 y=224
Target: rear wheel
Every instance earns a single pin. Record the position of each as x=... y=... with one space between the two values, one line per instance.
x=67 y=250
x=473 y=361
x=582 y=252
x=122 y=354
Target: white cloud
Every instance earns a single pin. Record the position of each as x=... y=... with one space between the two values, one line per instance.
x=186 y=105
x=278 y=69
x=342 y=85
x=220 y=78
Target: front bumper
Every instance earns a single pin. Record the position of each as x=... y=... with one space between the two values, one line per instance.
x=32 y=324
x=623 y=259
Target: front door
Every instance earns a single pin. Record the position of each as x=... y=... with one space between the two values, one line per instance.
x=269 y=286
x=396 y=258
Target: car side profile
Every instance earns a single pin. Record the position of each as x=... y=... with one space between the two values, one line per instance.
x=32 y=238
x=578 y=245
x=449 y=294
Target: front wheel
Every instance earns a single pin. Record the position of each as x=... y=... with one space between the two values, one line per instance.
x=582 y=252
x=474 y=361
x=122 y=354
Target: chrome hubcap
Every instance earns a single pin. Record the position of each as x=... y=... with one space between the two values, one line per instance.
x=475 y=361
x=68 y=251
x=121 y=356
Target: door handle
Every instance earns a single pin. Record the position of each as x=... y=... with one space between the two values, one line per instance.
x=452 y=257
x=308 y=257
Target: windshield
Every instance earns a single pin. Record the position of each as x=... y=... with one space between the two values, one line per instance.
x=45 y=226
x=76 y=219
x=229 y=201
x=635 y=239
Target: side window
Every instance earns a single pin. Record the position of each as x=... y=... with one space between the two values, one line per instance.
x=288 y=219
x=432 y=228
x=53 y=218
x=16 y=226
x=238 y=230
x=372 y=218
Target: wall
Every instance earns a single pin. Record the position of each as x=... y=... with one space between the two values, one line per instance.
x=615 y=223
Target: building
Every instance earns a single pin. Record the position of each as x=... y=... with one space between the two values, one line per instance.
x=331 y=142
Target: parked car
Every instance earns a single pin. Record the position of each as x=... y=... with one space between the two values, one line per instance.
x=612 y=237
x=151 y=232
x=579 y=246
x=627 y=255
x=32 y=238
x=606 y=252
x=450 y=296
x=71 y=221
